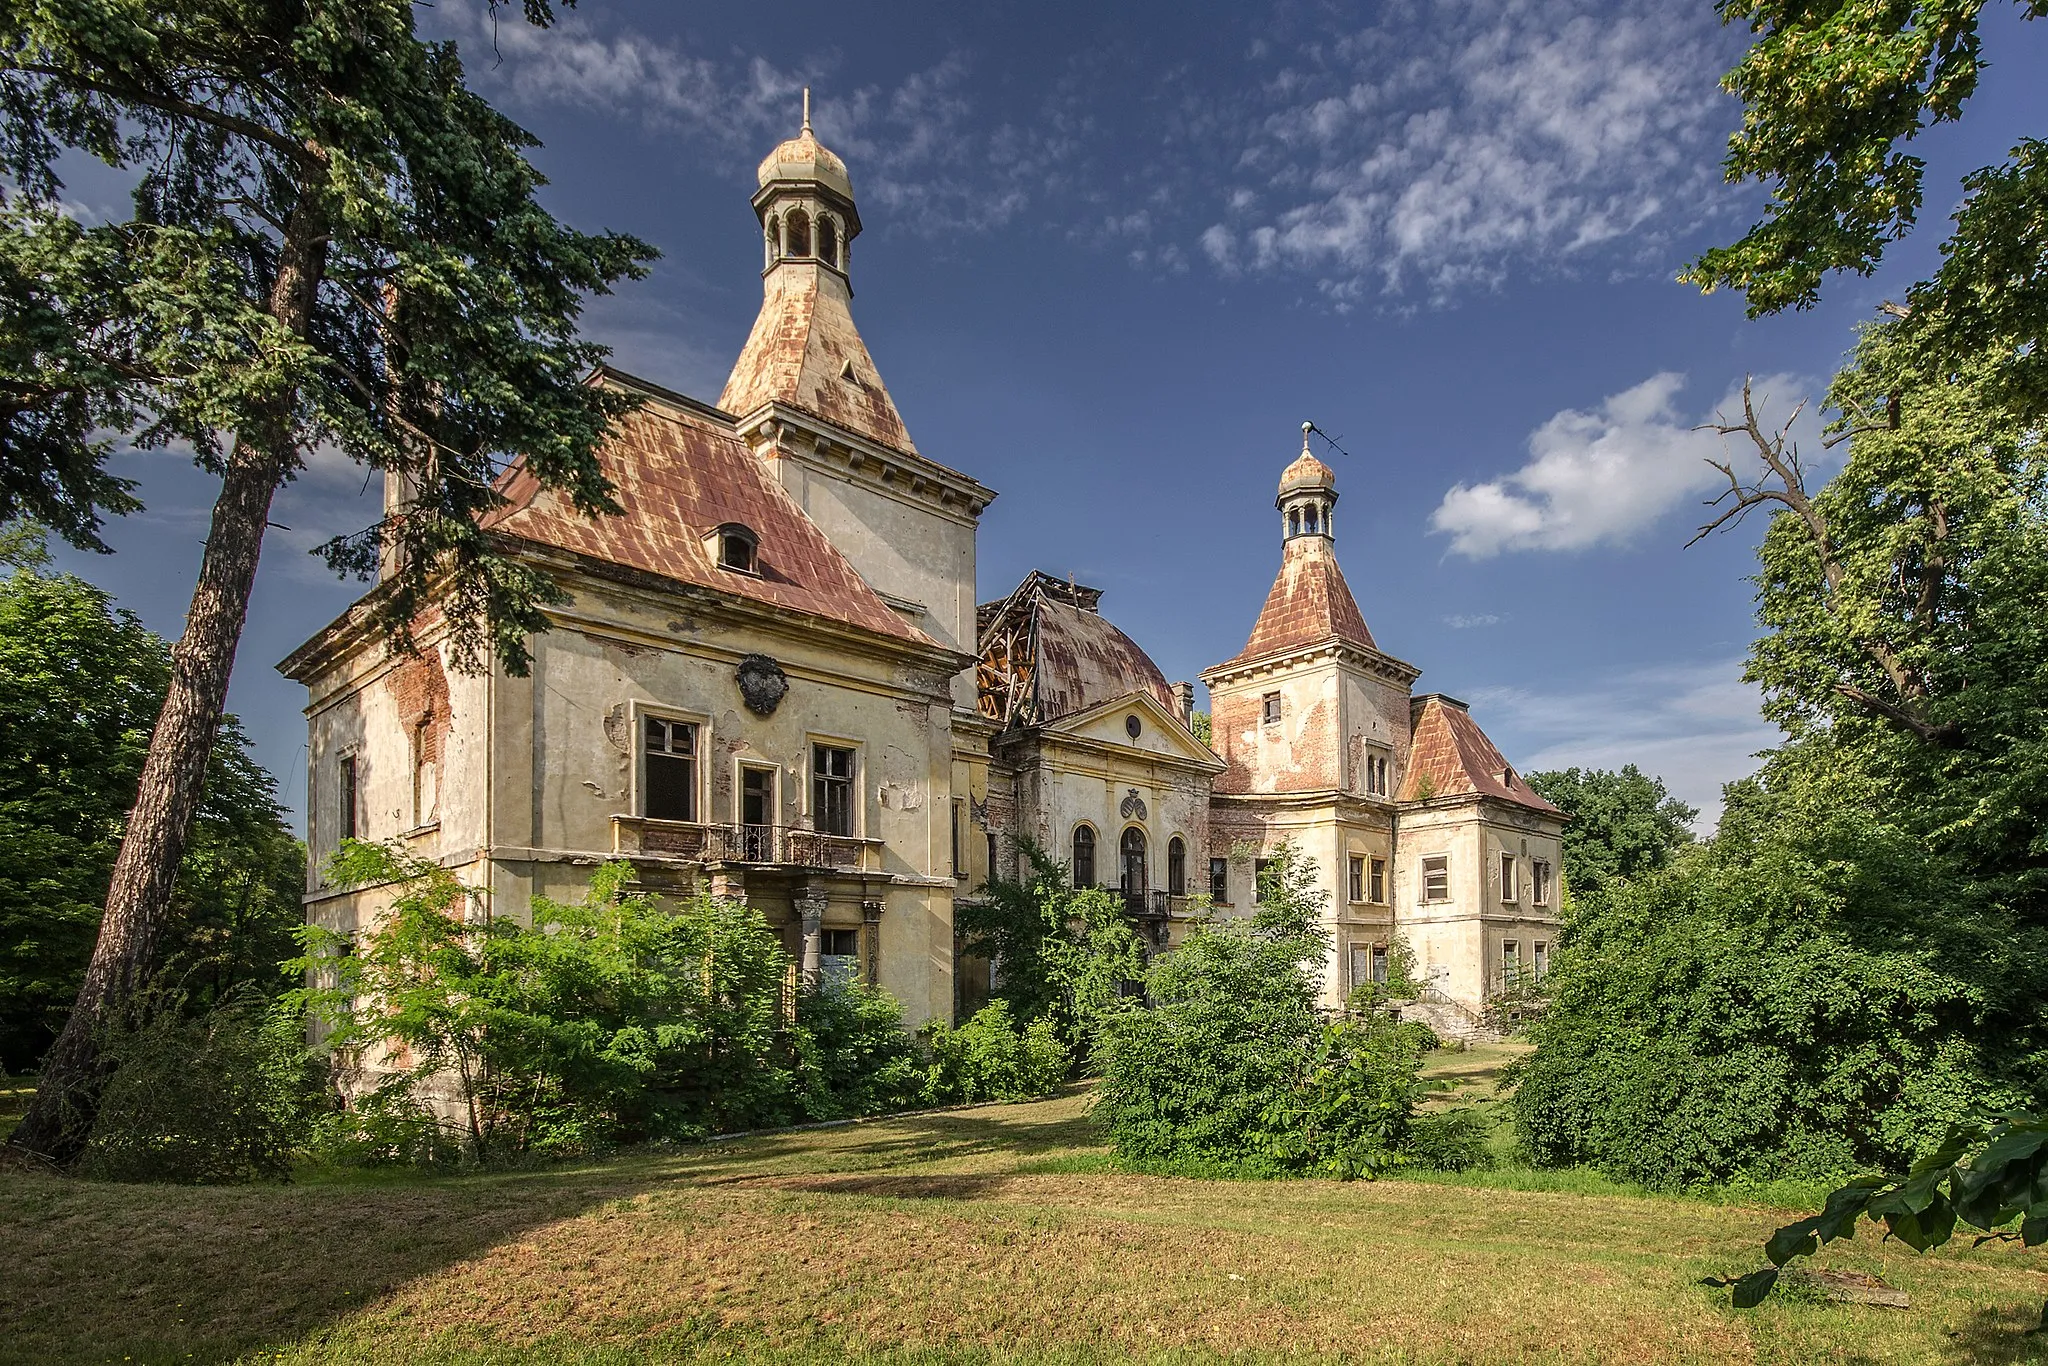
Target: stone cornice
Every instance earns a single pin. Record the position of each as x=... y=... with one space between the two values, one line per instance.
x=831 y=449
x=1394 y=670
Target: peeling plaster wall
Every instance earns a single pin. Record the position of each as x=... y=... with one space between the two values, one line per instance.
x=1457 y=942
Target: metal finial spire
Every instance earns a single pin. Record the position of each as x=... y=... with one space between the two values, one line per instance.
x=1306 y=428
x=807 y=109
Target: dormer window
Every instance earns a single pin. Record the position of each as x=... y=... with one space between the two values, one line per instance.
x=737 y=548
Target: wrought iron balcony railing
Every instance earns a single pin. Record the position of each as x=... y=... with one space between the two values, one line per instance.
x=760 y=844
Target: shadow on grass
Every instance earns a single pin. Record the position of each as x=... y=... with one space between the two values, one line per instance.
x=98 y=1272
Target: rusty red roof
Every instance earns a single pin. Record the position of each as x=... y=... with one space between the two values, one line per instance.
x=1449 y=756
x=1309 y=604
x=805 y=351
x=1069 y=656
x=679 y=474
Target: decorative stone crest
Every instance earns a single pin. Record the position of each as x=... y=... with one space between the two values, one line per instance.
x=763 y=684
x=1133 y=808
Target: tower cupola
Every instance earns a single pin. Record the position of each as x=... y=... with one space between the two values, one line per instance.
x=805 y=203
x=1308 y=494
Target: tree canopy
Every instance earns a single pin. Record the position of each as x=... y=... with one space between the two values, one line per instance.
x=1623 y=822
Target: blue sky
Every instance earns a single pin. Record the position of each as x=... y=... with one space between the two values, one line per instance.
x=1114 y=256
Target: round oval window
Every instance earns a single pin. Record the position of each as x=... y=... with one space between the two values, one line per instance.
x=1132 y=725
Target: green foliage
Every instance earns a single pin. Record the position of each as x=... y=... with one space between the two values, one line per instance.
x=1715 y=1020
x=1063 y=954
x=1402 y=984
x=1831 y=96
x=617 y=1019
x=1990 y=1174
x=989 y=1058
x=1623 y=823
x=81 y=682
x=227 y=1095
x=1200 y=723
x=1232 y=1066
x=434 y=331
x=1451 y=1141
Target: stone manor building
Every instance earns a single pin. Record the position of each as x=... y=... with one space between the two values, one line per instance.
x=772 y=679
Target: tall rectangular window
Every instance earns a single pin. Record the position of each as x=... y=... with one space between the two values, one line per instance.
x=1219 y=881
x=1436 y=878
x=348 y=797
x=1510 y=960
x=669 y=766
x=1507 y=878
x=1376 y=774
x=1269 y=708
x=994 y=866
x=1260 y=868
x=1379 y=964
x=1539 y=883
x=1356 y=878
x=1540 y=951
x=838 y=957
x=832 y=795
x=1376 y=882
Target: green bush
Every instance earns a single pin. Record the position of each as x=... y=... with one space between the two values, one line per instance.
x=853 y=1057
x=230 y=1095
x=1707 y=1022
x=989 y=1058
x=1450 y=1141
x=1233 y=1069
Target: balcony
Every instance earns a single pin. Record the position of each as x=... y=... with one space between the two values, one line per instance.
x=762 y=845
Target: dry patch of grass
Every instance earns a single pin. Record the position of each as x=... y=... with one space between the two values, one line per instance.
x=973 y=1236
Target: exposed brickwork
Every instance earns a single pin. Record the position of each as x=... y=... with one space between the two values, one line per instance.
x=1451 y=756
x=1309 y=603
x=678 y=475
x=419 y=690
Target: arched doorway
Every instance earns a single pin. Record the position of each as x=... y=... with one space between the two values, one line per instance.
x=1131 y=850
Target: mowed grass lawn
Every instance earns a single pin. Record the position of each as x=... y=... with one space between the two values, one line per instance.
x=996 y=1234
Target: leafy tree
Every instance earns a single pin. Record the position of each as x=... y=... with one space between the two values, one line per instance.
x=1623 y=823
x=990 y=1058
x=1233 y=1067
x=1063 y=954
x=1832 y=97
x=80 y=683
x=333 y=240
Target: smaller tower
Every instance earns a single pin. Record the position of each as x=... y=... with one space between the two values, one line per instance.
x=805 y=203
x=1308 y=495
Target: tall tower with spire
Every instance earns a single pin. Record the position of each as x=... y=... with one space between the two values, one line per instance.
x=807 y=398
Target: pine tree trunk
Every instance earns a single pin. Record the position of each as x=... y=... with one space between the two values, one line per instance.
x=132 y=931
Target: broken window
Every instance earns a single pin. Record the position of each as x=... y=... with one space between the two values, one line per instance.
x=1262 y=871
x=1219 y=881
x=348 y=798
x=838 y=957
x=1436 y=878
x=738 y=549
x=1376 y=882
x=1269 y=706
x=832 y=793
x=1507 y=877
x=1084 y=857
x=669 y=770
x=1541 y=952
x=1176 y=867
x=1539 y=883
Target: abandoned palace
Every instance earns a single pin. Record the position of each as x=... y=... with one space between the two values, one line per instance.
x=772 y=678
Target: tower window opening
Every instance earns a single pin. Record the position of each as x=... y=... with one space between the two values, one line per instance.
x=1308 y=519
x=828 y=241
x=1294 y=521
x=799 y=233
x=775 y=239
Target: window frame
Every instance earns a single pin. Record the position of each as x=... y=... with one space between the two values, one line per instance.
x=1270 y=709
x=642 y=712
x=959 y=823
x=348 y=796
x=1539 y=882
x=1375 y=881
x=1510 y=890
x=1176 y=866
x=856 y=823
x=1222 y=866
x=1539 y=958
x=1074 y=853
x=1443 y=862
x=1354 y=878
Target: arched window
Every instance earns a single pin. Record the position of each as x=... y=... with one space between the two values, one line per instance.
x=799 y=238
x=738 y=549
x=774 y=239
x=1131 y=850
x=1294 y=521
x=1176 y=867
x=1084 y=856
x=828 y=241
x=1308 y=519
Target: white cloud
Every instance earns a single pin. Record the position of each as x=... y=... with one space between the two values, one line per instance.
x=1602 y=476
x=1454 y=141
x=917 y=151
x=1466 y=621
x=1695 y=726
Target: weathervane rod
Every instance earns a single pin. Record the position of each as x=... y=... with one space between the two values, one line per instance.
x=807 y=109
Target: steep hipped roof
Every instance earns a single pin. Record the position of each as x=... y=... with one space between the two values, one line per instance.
x=805 y=351
x=1046 y=652
x=679 y=474
x=1309 y=604
x=1450 y=756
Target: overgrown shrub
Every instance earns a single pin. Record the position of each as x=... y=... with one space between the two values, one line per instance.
x=229 y=1095
x=1450 y=1141
x=618 y=1019
x=1708 y=1021
x=989 y=1058
x=852 y=1055
x=1232 y=1068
